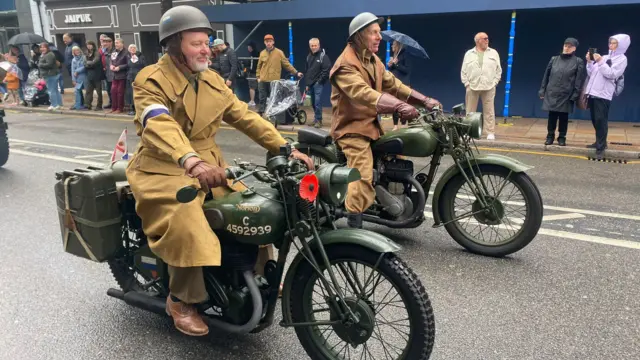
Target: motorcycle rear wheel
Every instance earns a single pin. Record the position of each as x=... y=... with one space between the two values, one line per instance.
x=412 y=295
x=521 y=238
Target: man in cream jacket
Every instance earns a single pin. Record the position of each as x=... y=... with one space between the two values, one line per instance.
x=481 y=72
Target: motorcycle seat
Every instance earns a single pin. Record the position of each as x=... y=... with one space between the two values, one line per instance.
x=314 y=136
x=389 y=147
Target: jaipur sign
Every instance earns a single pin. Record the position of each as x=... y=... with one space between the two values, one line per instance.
x=77 y=18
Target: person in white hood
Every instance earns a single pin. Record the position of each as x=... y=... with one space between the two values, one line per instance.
x=605 y=80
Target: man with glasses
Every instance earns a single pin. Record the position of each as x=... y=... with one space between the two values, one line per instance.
x=481 y=72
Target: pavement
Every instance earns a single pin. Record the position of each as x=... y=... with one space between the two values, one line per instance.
x=571 y=294
x=515 y=133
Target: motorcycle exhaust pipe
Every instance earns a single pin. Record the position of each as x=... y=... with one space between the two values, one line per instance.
x=140 y=300
x=158 y=305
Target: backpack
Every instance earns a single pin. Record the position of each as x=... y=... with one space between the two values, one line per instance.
x=619 y=85
x=619 y=82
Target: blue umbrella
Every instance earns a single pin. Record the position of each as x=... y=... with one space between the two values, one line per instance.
x=411 y=45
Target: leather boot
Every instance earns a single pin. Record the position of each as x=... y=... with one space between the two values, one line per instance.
x=354 y=220
x=186 y=318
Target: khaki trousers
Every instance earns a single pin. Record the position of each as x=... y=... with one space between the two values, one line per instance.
x=488 y=107
x=360 y=194
x=187 y=283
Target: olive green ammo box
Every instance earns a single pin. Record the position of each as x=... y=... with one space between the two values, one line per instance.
x=89 y=213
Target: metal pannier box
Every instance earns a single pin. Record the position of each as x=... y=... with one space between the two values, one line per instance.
x=89 y=213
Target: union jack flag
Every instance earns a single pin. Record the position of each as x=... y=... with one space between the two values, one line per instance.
x=120 y=152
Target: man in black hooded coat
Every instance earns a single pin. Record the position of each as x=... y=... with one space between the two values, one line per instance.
x=560 y=89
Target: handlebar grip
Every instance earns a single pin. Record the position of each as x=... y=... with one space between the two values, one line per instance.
x=188 y=193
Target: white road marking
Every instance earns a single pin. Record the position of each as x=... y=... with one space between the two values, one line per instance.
x=60 y=146
x=61 y=158
x=55 y=157
x=562 y=217
x=590 y=238
x=91 y=156
x=570 y=210
x=574 y=236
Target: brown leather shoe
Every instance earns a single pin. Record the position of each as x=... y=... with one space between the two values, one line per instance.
x=186 y=318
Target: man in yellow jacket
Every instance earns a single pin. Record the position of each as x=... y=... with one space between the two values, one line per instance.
x=270 y=64
x=180 y=105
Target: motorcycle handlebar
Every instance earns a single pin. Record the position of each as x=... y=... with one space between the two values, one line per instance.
x=188 y=193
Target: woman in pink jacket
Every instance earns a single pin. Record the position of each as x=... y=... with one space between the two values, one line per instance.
x=604 y=76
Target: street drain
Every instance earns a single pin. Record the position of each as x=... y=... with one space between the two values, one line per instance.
x=617 y=161
x=621 y=143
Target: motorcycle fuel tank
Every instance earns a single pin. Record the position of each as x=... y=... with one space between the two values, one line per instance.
x=248 y=217
x=418 y=141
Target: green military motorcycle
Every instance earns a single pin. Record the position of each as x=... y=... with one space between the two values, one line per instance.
x=486 y=202
x=347 y=293
x=4 y=140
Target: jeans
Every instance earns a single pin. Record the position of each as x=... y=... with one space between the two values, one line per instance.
x=52 y=89
x=264 y=90
x=21 y=91
x=79 y=99
x=316 y=101
x=61 y=81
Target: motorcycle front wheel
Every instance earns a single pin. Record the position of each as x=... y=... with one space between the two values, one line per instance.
x=395 y=315
x=507 y=222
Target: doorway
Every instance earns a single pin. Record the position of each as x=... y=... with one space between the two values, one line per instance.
x=150 y=46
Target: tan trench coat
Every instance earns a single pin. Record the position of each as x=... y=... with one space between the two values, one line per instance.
x=270 y=64
x=179 y=233
x=357 y=82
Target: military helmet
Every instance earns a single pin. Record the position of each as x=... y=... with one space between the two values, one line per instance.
x=182 y=18
x=363 y=20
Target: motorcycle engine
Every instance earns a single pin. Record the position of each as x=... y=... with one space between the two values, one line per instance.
x=392 y=187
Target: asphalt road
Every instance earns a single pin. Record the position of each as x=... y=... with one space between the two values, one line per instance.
x=572 y=294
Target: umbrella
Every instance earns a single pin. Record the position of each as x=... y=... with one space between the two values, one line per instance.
x=26 y=38
x=412 y=46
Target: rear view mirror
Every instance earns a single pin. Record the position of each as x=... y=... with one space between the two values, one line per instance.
x=458 y=109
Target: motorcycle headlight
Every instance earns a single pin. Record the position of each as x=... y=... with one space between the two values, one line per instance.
x=334 y=180
x=472 y=124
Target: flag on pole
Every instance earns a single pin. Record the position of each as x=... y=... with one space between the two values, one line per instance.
x=120 y=152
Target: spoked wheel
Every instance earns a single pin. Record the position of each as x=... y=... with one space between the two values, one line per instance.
x=123 y=269
x=394 y=315
x=301 y=117
x=505 y=221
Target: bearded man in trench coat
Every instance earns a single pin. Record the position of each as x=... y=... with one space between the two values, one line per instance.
x=180 y=106
x=361 y=88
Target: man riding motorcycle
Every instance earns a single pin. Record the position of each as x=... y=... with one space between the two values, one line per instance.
x=180 y=105
x=361 y=88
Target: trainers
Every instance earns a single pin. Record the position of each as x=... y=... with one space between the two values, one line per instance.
x=491 y=137
x=251 y=103
x=50 y=108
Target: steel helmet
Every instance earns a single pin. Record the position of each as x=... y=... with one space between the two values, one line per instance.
x=181 y=18
x=363 y=20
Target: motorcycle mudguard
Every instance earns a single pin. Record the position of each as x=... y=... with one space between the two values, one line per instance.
x=365 y=238
x=489 y=159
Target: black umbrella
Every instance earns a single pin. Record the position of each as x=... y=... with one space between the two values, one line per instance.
x=26 y=38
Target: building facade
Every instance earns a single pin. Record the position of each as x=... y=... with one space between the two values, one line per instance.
x=135 y=22
x=446 y=30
